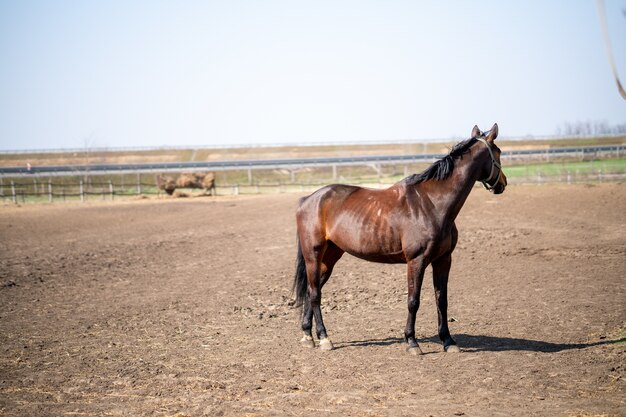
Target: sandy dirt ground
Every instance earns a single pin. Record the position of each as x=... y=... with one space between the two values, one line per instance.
x=184 y=308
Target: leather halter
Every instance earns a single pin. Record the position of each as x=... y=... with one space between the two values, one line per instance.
x=494 y=164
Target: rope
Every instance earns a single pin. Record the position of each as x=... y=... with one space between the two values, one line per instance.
x=607 y=43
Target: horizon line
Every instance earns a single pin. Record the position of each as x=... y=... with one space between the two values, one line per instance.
x=87 y=149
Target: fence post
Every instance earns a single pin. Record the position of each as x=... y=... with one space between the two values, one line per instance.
x=35 y=187
x=236 y=189
x=138 y=183
x=156 y=184
x=1 y=187
x=82 y=191
x=111 y=189
x=13 y=192
x=249 y=176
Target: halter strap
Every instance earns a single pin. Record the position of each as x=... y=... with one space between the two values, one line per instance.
x=494 y=165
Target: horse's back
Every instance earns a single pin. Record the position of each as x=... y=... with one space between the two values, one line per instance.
x=334 y=194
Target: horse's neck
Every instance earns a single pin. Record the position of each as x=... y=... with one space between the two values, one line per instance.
x=449 y=195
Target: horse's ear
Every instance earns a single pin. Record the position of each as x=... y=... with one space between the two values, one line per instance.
x=493 y=133
x=475 y=132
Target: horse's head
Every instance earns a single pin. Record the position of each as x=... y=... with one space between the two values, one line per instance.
x=494 y=179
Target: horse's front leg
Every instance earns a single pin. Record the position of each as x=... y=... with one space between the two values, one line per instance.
x=415 y=276
x=441 y=271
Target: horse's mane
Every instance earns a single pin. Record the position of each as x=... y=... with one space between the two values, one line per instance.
x=441 y=169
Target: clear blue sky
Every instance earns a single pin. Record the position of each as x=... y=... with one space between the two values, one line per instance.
x=151 y=73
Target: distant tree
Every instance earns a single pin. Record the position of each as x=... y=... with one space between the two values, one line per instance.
x=590 y=128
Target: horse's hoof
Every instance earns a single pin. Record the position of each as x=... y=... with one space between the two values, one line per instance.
x=326 y=344
x=307 y=342
x=452 y=349
x=414 y=350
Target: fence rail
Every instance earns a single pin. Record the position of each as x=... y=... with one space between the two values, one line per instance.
x=109 y=169
x=110 y=190
x=59 y=183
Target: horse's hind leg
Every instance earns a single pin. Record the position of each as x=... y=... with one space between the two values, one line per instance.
x=313 y=306
x=312 y=254
x=307 y=325
x=318 y=274
x=332 y=254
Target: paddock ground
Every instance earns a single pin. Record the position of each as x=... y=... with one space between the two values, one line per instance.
x=183 y=308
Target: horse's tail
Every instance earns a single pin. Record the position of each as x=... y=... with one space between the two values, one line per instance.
x=300 y=284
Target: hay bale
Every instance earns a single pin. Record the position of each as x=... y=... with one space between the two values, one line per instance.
x=188 y=181
x=208 y=182
x=202 y=180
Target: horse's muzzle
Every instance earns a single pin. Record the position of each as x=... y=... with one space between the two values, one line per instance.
x=500 y=186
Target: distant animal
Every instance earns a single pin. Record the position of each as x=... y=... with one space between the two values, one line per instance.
x=166 y=183
x=412 y=222
x=202 y=180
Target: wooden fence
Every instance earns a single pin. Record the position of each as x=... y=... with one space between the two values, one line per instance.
x=93 y=188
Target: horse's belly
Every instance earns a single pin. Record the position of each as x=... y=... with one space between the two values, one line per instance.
x=371 y=247
x=387 y=258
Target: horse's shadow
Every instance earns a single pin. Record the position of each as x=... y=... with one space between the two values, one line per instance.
x=477 y=343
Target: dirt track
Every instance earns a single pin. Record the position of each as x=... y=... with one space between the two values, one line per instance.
x=176 y=308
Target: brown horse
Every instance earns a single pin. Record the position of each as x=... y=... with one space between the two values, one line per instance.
x=410 y=222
